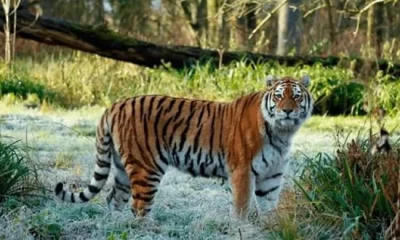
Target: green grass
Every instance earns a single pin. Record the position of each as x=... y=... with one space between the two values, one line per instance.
x=353 y=188
x=76 y=80
x=73 y=91
x=18 y=175
x=353 y=124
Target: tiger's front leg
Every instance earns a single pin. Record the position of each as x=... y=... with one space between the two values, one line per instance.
x=268 y=190
x=242 y=188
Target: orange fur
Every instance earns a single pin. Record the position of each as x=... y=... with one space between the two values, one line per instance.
x=149 y=133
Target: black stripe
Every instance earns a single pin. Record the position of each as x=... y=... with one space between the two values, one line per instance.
x=102 y=163
x=152 y=98
x=187 y=155
x=199 y=120
x=72 y=197
x=142 y=183
x=146 y=129
x=192 y=105
x=133 y=105
x=164 y=130
x=212 y=130
x=157 y=143
x=122 y=114
x=100 y=177
x=171 y=105
x=215 y=171
x=179 y=111
x=113 y=122
x=185 y=131
x=59 y=187
x=122 y=188
x=146 y=211
x=254 y=171
x=119 y=166
x=142 y=155
x=273 y=176
x=152 y=179
x=147 y=145
x=161 y=101
x=191 y=170
x=246 y=103
x=221 y=165
x=93 y=189
x=264 y=160
x=63 y=195
x=121 y=107
x=176 y=126
x=100 y=150
x=208 y=109
x=203 y=170
x=175 y=156
x=209 y=159
x=151 y=192
x=261 y=193
x=141 y=107
x=83 y=197
x=110 y=196
x=143 y=198
x=196 y=140
x=221 y=132
x=199 y=157
x=271 y=142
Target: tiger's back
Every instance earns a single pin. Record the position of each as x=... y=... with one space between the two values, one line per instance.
x=146 y=134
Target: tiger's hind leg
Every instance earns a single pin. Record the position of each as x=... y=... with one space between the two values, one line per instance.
x=144 y=186
x=120 y=192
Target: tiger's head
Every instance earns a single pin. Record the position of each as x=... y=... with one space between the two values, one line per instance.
x=287 y=103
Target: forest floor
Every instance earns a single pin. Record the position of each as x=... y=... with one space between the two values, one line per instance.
x=62 y=144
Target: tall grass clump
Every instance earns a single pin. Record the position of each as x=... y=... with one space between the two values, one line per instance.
x=77 y=79
x=20 y=86
x=18 y=175
x=355 y=186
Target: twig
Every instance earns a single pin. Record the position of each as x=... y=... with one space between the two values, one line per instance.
x=269 y=15
x=365 y=8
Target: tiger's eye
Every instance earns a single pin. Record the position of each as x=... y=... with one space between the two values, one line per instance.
x=278 y=95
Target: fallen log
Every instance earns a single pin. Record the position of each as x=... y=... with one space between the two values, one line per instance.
x=106 y=43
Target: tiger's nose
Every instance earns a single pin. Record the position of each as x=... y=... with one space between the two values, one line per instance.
x=287 y=111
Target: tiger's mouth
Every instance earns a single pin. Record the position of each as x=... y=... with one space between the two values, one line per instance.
x=287 y=122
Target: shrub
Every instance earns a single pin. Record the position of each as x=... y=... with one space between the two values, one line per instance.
x=21 y=87
x=355 y=186
x=79 y=79
x=18 y=176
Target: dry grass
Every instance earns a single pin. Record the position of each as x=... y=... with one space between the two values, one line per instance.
x=185 y=208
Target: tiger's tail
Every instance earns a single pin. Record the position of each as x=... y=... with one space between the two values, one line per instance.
x=101 y=171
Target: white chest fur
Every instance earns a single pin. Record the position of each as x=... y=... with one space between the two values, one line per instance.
x=273 y=158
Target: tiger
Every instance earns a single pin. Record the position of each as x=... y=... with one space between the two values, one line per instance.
x=245 y=141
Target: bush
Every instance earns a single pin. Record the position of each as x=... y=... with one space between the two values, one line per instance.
x=79 y=79
x=18 y=176
x=354 y=186
x=23 y=88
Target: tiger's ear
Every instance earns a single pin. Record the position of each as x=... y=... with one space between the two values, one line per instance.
x=270 y=80
x=306 y=80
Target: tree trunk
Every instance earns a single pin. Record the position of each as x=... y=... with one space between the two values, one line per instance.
x=282 y=29
x=289 y=34
x=379 y=28
x=212 y=31
x=107 y=43
x=370 y=30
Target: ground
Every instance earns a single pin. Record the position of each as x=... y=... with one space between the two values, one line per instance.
x=62 y=143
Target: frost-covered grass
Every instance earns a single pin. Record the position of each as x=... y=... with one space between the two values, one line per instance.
x=185 y=207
